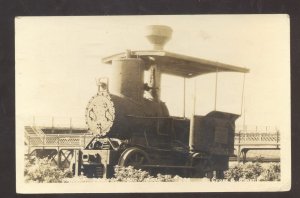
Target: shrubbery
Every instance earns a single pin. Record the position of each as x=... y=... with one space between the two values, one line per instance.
x=271 y=174
x=128 y=174
x=254 y=172
x=41 y=171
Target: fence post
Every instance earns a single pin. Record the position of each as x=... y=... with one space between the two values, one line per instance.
x=76 y=155
x=260 y=137
x=59 y=159
x=58 y=142
x=44 y=141
x=58 y=152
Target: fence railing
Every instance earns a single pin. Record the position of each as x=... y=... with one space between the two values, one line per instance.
x=243 y=134
x=59 y=140
x=257 y=137
x=81 y=140
x=79 y=122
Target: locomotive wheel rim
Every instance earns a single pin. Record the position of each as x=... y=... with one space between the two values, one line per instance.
x=133 y=157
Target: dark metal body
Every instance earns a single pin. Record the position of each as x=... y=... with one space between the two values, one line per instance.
x=143 y=134
x=143 y=129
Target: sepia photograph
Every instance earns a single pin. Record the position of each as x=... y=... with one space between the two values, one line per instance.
x=160 y=103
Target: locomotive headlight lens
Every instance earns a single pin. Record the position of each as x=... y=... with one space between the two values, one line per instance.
x=100 y=114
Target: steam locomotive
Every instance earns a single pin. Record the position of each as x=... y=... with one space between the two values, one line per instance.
x=133 y=130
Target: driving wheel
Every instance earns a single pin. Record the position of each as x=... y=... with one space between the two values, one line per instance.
x=133 y=157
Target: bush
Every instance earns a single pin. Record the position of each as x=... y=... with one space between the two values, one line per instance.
x=234 y=173
x=253 y=172
x=271 y=174
x=129 y=174
x=41 y=171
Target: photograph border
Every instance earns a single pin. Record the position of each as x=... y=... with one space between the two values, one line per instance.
x=114 y=7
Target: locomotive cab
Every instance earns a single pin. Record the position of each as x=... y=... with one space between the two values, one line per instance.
x=133 y=130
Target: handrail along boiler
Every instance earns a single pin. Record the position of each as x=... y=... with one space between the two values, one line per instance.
x=133 y=130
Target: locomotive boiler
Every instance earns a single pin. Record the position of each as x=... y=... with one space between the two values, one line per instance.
x=132 y=126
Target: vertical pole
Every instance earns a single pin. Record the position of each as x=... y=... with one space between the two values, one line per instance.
x=191 y=138
x=59 y=158
x=76 y=153
x=243 y=90
x=155 y=82
x=216 y=89
x=58 y=140
x=52 y=125
x=239 y=147
x=44 y=141
x=260 y=137
x=71 y=128
x=195 y=97
x=84 y=140
x=184 y=92
x=244 y=130
x=141 y=76
x=192 y=122
x=244 y=120
x=58 y=151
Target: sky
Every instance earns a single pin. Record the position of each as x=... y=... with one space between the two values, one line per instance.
x=58 y=60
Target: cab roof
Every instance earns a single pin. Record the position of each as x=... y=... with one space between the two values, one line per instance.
x=178 y=64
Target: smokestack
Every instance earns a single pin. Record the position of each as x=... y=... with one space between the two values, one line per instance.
x=158 y=35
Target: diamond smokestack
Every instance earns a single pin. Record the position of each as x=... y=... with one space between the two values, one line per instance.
x=158 y=35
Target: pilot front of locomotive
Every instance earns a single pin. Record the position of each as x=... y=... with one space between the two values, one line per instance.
x=120 y=121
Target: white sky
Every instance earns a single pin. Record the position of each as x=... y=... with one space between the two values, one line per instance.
x=59 y=58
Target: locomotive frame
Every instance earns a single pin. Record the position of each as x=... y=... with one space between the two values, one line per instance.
x=131 y=130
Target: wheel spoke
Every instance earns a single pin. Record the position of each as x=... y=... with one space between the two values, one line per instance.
x=130 y=161
x=141 y=160
x=134 y=158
